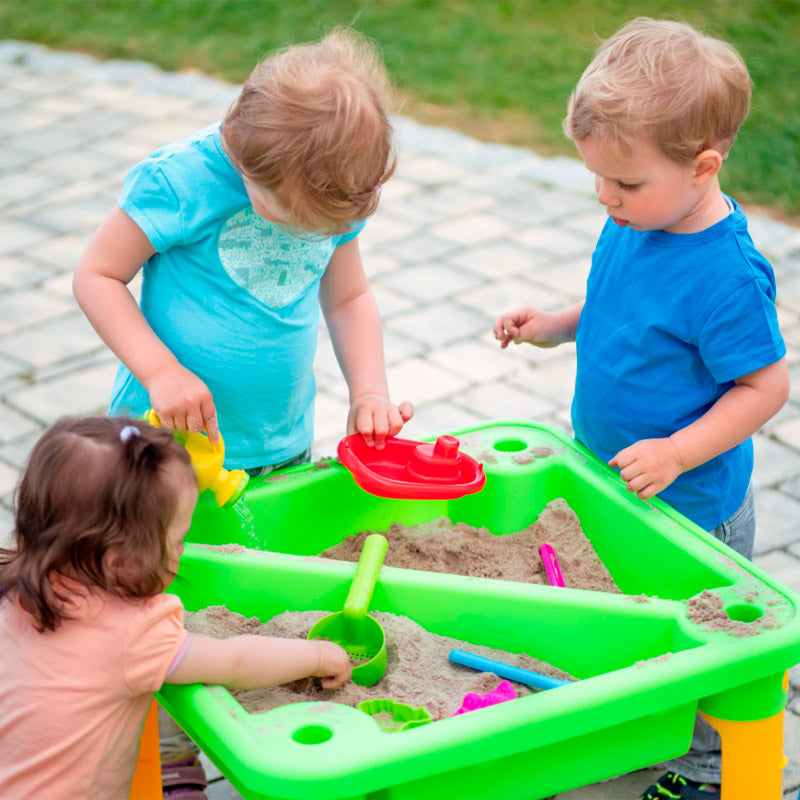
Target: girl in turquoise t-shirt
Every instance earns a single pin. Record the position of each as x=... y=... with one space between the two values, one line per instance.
x=243 y=232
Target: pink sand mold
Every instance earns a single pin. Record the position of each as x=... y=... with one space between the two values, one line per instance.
x=473 y=701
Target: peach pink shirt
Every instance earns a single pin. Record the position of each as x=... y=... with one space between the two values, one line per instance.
x=73 y=701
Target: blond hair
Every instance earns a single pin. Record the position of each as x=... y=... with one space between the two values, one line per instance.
x=311 y=126
x=687 y=91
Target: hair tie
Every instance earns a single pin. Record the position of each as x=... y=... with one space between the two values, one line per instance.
x=128 y=431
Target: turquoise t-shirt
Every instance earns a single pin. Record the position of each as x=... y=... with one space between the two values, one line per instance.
x=670 y=321
x=233 y=296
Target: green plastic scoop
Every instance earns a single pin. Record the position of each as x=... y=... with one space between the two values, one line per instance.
x=360 y=635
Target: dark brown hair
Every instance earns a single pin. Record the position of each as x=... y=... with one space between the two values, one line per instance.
x=311 y=126
x=93 y=505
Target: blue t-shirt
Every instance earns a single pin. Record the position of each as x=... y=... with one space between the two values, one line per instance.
x=670 y=321
x=233 y=296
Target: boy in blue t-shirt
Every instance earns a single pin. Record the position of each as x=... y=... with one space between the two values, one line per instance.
x=679 y=355
x=243 y=231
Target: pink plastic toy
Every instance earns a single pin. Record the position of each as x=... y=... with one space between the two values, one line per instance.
x=472 y=700
x=551 y=566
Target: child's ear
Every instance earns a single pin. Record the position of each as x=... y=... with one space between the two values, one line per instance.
x=706 y=165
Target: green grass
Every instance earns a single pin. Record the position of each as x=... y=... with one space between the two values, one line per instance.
x=497 y=69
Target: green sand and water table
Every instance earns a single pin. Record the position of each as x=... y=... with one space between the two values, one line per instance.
x=693 y=623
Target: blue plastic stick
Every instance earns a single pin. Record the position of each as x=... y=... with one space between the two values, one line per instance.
x=505 y=670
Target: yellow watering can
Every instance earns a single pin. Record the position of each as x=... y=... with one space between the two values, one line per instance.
x=207 y=459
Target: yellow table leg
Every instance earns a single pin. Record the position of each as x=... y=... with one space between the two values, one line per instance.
x=146 y=784
x=752 y=757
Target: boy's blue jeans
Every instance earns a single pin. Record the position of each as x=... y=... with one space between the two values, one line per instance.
x=703 y=762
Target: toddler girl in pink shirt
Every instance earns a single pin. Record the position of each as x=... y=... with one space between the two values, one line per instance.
x=87 y=632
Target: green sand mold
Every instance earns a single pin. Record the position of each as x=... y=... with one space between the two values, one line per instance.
x=646 y=660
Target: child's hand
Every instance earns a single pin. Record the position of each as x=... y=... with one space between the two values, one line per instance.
x=334 y=664
x=530 y=325
x=183 y=402
x=377 y=419
x=648 y=466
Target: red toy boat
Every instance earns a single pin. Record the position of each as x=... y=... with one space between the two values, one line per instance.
x=412 y=470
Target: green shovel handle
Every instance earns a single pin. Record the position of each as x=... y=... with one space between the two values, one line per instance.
x=369 y=565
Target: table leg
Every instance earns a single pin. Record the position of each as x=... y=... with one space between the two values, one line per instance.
x=146 y=784
x=752 y=757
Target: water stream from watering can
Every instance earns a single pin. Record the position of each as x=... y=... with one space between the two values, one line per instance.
x=246 y=523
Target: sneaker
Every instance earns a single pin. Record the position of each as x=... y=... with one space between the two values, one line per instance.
x=677 y=787
x=183 y=778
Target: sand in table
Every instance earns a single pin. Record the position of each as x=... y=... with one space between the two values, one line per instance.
x=418 y=670
x=460 y=549
x=707 y=609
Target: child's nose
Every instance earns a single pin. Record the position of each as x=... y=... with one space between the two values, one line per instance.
x=604 y=191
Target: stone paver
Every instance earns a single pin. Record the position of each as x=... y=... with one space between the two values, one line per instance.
x=464 y=230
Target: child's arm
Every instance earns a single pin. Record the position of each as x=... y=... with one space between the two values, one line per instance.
x=650 y=465
x=355 y=327
x=534 y=326
x=258 y=662
x=113 y=257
